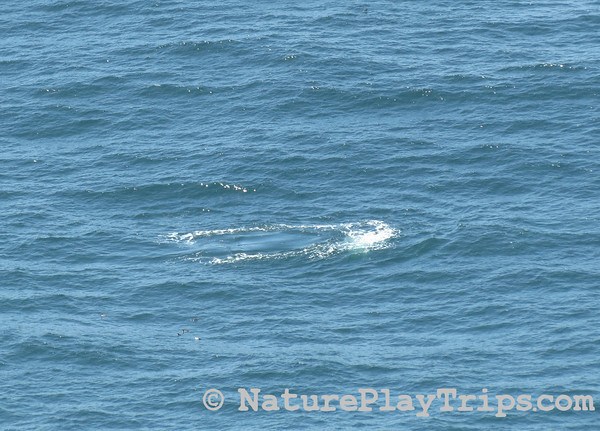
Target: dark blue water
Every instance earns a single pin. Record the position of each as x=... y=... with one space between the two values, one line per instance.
x=321 y=196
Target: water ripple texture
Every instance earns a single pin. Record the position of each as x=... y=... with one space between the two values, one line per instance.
x=317 y=195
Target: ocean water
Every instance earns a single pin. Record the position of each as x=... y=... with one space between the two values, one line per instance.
x=321 y=196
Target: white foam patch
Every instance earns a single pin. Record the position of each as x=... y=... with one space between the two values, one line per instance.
x=365 y=238
x=289 y=241
x=192 y=236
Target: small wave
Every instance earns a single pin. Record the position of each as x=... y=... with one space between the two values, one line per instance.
x=284 y=241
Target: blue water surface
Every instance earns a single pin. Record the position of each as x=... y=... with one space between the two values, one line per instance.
x=319 y=195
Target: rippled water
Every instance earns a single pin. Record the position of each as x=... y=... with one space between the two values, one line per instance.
x=319 y=196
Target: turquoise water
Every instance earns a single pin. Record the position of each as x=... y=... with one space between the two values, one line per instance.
x=321 y=196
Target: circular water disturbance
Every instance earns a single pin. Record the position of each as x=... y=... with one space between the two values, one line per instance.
x=282 y=241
